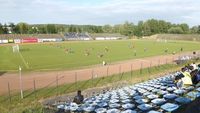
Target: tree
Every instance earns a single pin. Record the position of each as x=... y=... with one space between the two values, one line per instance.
x=51 y=28
x=185 y=28
x=117 y=28
x=139 y=29
x=33 y=29
x=60 y=29
x=42 y=29
x=5 y=29
x=107 y=28
x=1 y=29
x=72 y=28
x=78 y=29
x=194 y=30
x=163 y=26
x=176 y=30
x=22 y=28
x=146 y=29
x=97 y=29
x=143 y=28
x=127 y=29
x=153 y=26
x=12 y=27
x=198 y=31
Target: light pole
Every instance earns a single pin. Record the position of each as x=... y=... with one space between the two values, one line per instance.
x=20 y=82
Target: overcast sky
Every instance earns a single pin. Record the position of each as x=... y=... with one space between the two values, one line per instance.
x=99 y=12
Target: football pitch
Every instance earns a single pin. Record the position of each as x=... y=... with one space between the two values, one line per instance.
x=77 y=54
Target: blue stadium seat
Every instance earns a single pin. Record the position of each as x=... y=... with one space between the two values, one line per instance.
x=100 y=110
x=198 y=89
x=138 y=97
x=170 y=89
x=129 y=111
x=162 y=92
x=169 y=107
x=193 y=94
x=170 y=96
x=190 y=88
x=126 y=101
x=146 y=93
x=152 y=111
x=114 y=101
x=183 y=100
x=179 y=91
x=113 y=111
x=102 y=104
x=158 y=101
x=128 y=106
x=145 y=107
x=163 y=87
x=114 y=105
x=141 y=101
x=152 y=96
x=89 y=109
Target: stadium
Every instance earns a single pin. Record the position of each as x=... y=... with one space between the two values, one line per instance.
x=80 y=67
x=84 y=57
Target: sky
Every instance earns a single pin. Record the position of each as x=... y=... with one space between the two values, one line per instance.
x=99 y=12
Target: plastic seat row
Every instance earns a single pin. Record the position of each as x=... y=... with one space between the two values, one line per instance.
x=153 y=96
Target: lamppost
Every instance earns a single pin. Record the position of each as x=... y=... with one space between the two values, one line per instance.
x=20 y=82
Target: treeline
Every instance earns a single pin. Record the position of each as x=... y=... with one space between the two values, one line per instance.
x=142 y=28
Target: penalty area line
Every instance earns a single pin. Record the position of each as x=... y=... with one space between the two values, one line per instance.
x=23 y=60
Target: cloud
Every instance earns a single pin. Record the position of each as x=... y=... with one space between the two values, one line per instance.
x=99 y=11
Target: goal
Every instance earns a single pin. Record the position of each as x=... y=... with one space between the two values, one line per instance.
x=15 y=48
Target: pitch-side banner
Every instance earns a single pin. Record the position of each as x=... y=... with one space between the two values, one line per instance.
x=49 y=40
x=17 y=41
x=29 y=40
x=10 y=41
x=4 y=41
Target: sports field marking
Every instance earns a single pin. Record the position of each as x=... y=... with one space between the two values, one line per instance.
x=23 y=60
x=143 y=60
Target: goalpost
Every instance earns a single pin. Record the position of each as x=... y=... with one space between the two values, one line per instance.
x=15 y=48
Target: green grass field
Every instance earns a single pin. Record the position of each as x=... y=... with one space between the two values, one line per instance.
x=54 y=57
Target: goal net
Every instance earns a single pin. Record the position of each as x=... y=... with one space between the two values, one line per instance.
x=15 y=48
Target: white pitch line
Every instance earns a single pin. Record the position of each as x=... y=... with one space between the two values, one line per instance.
x=143 y=60
x=24 y=61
